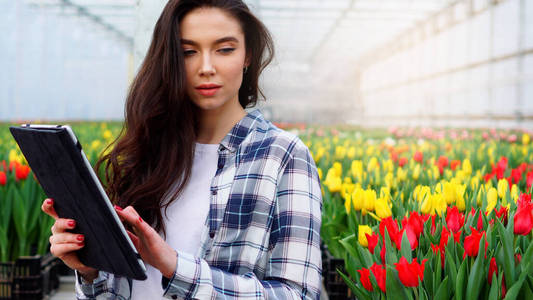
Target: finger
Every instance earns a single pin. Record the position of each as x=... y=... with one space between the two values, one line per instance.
x=141 y=228
x=64 y=238
x=60 y=250
x=61 y=225
x=48 y=208
x=134 y=239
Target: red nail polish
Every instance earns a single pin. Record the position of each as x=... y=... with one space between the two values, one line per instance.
x=71 y=223
x=80 y=244
x=118 y=208
x=49 y=201
x=140 y=219
x=79 y=238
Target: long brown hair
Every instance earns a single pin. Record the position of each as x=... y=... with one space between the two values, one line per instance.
x=150 y=162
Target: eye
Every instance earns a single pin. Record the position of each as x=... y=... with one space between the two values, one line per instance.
x=188 y=52
x=226 y=50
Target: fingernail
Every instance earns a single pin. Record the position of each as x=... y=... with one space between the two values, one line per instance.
x=71 y=223
x=80 y=244
x=49 y=201
x=140 y=219
x=118 y=208
x=80 y=238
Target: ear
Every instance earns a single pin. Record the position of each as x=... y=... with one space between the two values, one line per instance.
x=247 y=61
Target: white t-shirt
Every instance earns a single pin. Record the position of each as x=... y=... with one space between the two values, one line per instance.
x=185 y=218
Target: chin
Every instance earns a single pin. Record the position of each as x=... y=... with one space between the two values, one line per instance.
x=208 y=104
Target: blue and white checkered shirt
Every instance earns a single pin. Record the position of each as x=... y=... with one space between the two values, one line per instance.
x=262 y=234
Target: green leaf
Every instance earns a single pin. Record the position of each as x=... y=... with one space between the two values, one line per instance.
x=406 y=247
x=442 y=291
x=508 y=253
x=512 y=293
x=361 y=293
x=450 y=263
x=493 y=293
x=477 y=274
x=395 y=289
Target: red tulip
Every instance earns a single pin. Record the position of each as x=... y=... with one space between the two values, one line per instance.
x=502 y=214
x=443 y=161
x=418 y=157
x=523 y=219
x=445 y=235
x=372 y=241
x=454 y=219
x=454 y=164
x=381 y=276
x=402 y=162
x=479 y=226
x=471 y=243
x=4 y=166
x=21 y=172
x=493 y=268
x=438 y=249
x=392 y=229
x=433 y=226
x=411 y=236
x=409 y=273
x=365 y=279
x=3 y=178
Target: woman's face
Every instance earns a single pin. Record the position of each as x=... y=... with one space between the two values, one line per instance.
x=214 y=49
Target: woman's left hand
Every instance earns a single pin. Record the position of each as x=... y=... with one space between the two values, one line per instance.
x=152 y=248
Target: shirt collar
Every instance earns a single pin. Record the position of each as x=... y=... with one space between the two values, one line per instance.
x=241 y=130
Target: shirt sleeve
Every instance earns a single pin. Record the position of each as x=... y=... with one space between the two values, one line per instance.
x=293 y=270
x=105 y=286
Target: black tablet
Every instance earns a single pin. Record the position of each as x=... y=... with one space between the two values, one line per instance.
x=63 y=171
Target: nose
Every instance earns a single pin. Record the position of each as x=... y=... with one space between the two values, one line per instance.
x=207 y=68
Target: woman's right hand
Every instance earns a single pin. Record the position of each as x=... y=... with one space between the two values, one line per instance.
x=64 y=244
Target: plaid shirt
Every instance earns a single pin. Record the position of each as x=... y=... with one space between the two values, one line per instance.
x=262 y=234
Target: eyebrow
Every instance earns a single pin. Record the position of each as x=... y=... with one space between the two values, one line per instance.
x=221 y=40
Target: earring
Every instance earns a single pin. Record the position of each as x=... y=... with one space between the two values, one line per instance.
x=245 y=69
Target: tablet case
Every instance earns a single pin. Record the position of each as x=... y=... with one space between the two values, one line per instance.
x=55 y=157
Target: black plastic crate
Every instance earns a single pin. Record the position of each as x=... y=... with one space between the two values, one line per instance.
x=6 y=280
x=29 y=278
x=336 y=288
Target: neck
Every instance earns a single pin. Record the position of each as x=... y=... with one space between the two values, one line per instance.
x=215 y=124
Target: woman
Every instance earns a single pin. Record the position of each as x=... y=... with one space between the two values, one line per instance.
x=220 y=202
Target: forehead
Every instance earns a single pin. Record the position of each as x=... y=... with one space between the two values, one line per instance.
x=208 y=24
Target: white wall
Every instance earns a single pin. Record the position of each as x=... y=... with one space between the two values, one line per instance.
x=59 y=66
x=418 y=86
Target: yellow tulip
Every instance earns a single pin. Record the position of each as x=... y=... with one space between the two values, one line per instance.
x=362 y=237
x=351 y=152
x=370 y=199
x=525 y=139
x=492 y=198
x=503 y=185
x=107 y=134
x=401 y=174
x=348 y=203
x=421 y=192
x=372 y=164
x=382 y=208
x=416 y=172
x=335 y=185
x=319 y=173
x=514 y=192
x=460 y=200
x=467 y=167
x=358 y=198
x=340 y=152
x=480 y=194
x=449 y=192
x=357 y=169
x=338 y=168
x=433 y=204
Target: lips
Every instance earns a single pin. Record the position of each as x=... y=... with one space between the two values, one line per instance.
x=208 y=89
